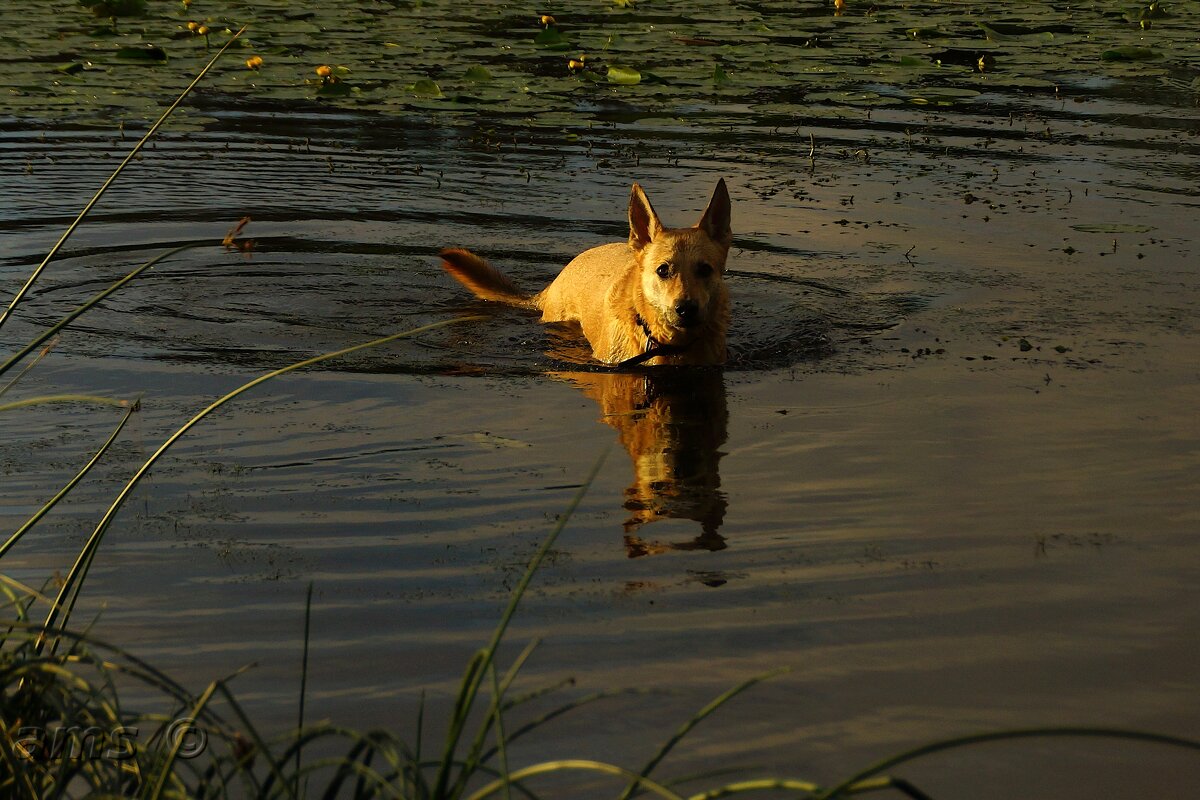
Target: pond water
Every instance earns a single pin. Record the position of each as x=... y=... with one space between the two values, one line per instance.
x=949 y=478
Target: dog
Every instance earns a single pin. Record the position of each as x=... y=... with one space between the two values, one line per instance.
x=659 y=298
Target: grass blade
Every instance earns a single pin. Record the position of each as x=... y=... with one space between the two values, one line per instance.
x=497 y=706
x=262 y=749
x=111 y=178
x=848 y=785
x=69 y=592
x=419 y=777
x=761 y=785
x=694 y=721
x=165 y=770
x=475 y=671
x=45 y=351
x=303 y=679
x=16 y=537
x=558 y=712
x=575 y=764
x=887 y=782
x=69 y=318
x=64 y=398
x=492 y=715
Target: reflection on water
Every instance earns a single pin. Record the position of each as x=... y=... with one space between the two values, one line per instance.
x=672 y=422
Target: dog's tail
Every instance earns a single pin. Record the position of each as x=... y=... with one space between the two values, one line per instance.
x=482 y=278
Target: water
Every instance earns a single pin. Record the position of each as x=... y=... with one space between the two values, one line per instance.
x=949 y=479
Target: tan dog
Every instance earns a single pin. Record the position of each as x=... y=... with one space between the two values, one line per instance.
x=659 y=298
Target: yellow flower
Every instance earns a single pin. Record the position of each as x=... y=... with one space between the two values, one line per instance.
x=254 y=62
x=547 y=20
x=324 y=71
x=839 y=6
x=574 y=65
x=202 y=30
x=192 y=26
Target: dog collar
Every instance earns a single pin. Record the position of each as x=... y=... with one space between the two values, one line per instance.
x=653 y=347
x=651 y=342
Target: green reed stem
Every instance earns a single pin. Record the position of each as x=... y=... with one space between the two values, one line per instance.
x=33 y=363
x=165 y=770
x=575 y=764
x=493 y=715
x=556 y=713
x=760 y=785
x=498 y=713
x=997 y=736
x=477 y=668
x=89 y=399
x=12 y=540
x=69 y=318
x=261 y=746
x=699 y=717
x=111 y=178
x=303 y=678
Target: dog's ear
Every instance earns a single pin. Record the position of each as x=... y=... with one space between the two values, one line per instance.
x=715 y=221
x=643 y=222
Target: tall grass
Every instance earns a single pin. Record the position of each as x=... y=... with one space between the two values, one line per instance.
x=55 y=678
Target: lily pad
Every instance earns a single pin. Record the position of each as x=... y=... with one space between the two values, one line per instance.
x=147 y=53
x=940 y=95
x=334 y=89
x=478 y=74
x=852 y=98
x=925 y=33
x=552 y=39
x=625 y=76
x=1129 y=53
x=425 y=88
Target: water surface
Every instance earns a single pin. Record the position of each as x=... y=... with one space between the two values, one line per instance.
x=949 y=479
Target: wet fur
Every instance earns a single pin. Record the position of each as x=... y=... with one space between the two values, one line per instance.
x=608 y=288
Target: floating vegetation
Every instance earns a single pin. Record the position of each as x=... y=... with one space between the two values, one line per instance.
x=63 y=65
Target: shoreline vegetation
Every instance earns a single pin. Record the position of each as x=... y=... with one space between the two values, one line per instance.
x=58 y=679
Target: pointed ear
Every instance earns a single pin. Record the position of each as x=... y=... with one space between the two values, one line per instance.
x=643 y=222
x=715 y=221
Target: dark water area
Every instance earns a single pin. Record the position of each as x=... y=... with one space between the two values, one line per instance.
x=948 y=478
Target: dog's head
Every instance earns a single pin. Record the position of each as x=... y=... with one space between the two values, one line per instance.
x=682 y=269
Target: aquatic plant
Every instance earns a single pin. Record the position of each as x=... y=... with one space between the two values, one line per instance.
x=803 y=59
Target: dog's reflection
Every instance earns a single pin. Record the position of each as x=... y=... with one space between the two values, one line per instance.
x=672 y=422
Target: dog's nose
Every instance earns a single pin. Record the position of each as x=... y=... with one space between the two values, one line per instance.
x=688 y=311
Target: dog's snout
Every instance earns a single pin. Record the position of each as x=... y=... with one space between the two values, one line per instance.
x=688 y=311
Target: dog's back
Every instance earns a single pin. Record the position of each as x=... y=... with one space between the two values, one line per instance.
x=580 y=292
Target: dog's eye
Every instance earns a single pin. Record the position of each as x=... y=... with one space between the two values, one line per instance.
x=703 y=270
x=664 y=271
